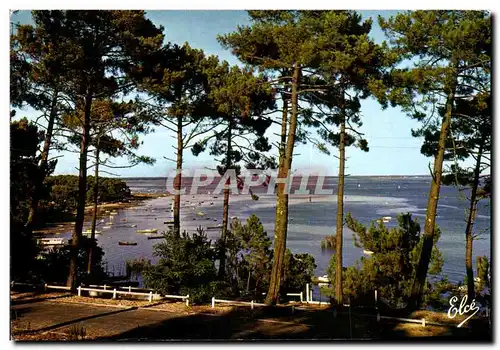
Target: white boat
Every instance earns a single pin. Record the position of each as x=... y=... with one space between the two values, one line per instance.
x=386 y=218
x=51 y=241
x=323 y=279
x=88 y=232
x=106 y=227
x=200 y=213
x=152 y=230
x=367 y=252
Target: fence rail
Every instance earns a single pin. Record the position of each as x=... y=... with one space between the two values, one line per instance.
x=251 y=303
x=45 y=286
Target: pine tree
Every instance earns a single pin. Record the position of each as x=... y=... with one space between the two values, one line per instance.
x=351 y=68
x=114 y=131
x=176 y=79
x=281 y=43
x=103 y=47
x=37 y=70
x=443 y=46
x=238 y=99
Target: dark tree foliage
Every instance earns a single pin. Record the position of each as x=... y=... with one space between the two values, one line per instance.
x=54 y=263
x=444 y=59
x=298 y=269
x=186 y=266
x=391 y=266
x=24 y=141
x=248 y=258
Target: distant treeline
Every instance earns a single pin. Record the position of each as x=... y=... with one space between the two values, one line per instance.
x=60 y=200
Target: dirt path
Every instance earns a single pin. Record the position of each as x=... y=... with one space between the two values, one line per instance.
x=55 y=319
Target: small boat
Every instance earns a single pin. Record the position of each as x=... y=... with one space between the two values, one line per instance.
x=123 y=220
x=214 y=227
x=105 y=227
x=367 y=252
x=153 y=230
x=88 y=232
x=133 y=225
x=127 y=243
x=51 y=241
x=155 y=237
x=200 y=213
x=323 y=279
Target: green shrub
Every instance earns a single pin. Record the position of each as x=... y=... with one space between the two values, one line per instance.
x=186 y=266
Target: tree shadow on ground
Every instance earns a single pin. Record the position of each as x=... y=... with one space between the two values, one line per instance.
x=278 y=323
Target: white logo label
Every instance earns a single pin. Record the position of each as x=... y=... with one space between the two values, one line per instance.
x=462 y=309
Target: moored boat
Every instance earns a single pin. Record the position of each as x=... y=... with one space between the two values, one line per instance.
x=51 y=241
x=153 y=230
x=367 y=252
x=155 y=237
x=88 y=232
x=127 y=243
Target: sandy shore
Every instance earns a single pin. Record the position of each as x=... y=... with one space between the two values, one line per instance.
x=102 y=210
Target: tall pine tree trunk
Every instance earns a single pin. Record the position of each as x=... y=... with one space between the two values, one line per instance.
x=470 y=224
x=94 y=214
x=281 y=223
x=340 y=213
x=178 y=179
x=43 y=163
x=225 y=207
x=430 y=218
x=82 y=193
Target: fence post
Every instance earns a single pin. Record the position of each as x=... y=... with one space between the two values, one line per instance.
x=129 y=289
x=350 y=319
x=187 y=300
x=311 y=296
x=12 y=284
x=307 y=292
x=251 y=304
x=375 y=297
x=114 y=293
x=423 y=322
x=150 y=296
x=45 y=287
x=104 y=287
x=79 y=291
x=301 y=297
x=213 y=302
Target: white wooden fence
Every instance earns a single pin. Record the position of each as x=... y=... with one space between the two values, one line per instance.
x=44 y=285
x=116 y=292
x=251 y=303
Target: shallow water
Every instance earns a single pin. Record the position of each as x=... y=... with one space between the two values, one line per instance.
x=366 y=198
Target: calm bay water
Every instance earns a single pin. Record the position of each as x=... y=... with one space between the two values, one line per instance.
x=367 y=198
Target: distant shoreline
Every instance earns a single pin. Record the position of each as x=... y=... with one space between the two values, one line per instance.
x=327 y=176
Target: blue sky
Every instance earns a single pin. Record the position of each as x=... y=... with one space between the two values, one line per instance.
x=393 y=151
